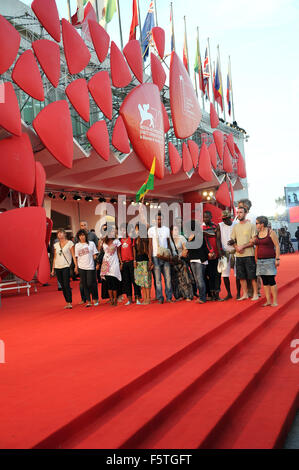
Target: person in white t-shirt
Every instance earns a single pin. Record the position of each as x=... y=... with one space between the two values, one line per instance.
x=63 y=255
x=223 y=233
x=160 y=248
x=85 y=254
x=112 y=264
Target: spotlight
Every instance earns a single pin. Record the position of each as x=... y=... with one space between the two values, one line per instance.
x=62 y=196
x=52 y=195
x=211 y=193
x=77 y=197
x=208 y=198
x=205 y=193
x=113 y=200
x=102 y=199
x=88 y=199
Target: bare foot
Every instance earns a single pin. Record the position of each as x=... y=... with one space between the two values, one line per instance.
x=274 y=305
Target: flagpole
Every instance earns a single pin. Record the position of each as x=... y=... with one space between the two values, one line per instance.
x=120 y=29
x=211 y=71
x=69 y=10
x=220 y=73
x=140 y=31
x=186 y=44
x=200 y=72
x=231 y=86
x=172 y=25
x=156 y=14
x=97 y=11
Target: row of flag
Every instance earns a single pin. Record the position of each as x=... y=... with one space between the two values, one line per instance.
x=105 y=9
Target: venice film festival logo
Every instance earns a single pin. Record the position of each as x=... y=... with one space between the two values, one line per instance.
x=151 y=123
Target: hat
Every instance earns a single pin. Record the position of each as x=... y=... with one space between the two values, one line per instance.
x=226 y=214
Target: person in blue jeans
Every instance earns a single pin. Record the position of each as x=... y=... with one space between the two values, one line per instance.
x=199 y=260
x=159 y=236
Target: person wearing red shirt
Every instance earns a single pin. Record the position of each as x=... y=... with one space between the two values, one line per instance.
x=128 y=267
x=213 y=277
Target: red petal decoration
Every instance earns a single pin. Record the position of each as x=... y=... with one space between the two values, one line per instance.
x=218 y=139
x=222 y=195
x=165 y=119
x=26 y=75
x=77 y=93
x=120 y=138
x=214 y=120
x=10 y=42
x=17 y=165
x=40 y=183
x=158 y=73
x=120 y=72
x=99 y=138
x=159 y=39
x=54 y=126
x=4 y=190
x=194 y=151
x=174 y=158
x=204 y=165
x=48 y=230
x=10 y=116
x=241 y=169
x=100 y=89
x=227 y=161
x=185 y=110
x=48 y=55
x=231 y=145
x=25 y=229
x=43 y=271
x=143 y=118
x=76 y=52
x=132 y=52
x=47 y=14
x=213 y=154
x=100 y=39
x=187 y=160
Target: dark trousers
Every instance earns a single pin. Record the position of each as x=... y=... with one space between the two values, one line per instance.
x=88 y=280
x=128 y=280
x=63 y=277
x=214 y=276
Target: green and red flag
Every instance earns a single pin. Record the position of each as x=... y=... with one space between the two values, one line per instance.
x=134 y=22
x=148 y=185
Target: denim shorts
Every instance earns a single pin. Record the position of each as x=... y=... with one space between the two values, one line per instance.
x=266 y=267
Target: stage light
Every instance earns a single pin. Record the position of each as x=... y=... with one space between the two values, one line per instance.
x=205 y=193
x=113 y=200
x=211 y=193
x=88 y=199
x=52 y=195
x=208 y=198
x=102 y=199
x=62 y=196
x=77 y=197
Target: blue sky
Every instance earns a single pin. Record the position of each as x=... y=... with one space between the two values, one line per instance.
x=262 y=38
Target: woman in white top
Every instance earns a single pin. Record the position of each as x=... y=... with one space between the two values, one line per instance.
x=112 y=264
x=63 y=255
x=86 y=253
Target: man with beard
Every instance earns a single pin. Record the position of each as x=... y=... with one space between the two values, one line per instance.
x=242 y=233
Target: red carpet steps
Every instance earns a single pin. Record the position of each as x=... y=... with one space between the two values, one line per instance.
x=215 y=392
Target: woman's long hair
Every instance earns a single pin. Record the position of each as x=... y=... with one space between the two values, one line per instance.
x=82 y=232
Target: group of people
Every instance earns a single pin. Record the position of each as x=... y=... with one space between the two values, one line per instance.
x=128 y=260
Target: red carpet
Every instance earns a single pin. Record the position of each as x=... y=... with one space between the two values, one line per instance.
x=178 y=375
